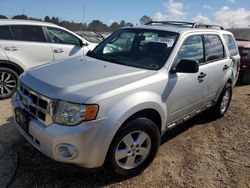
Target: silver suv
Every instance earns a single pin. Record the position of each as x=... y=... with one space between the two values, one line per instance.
x=26 y=44
x=110 y=108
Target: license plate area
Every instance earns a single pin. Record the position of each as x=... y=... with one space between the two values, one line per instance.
x=22 y=119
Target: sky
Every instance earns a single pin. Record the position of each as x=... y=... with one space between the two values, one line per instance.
x=224 y=12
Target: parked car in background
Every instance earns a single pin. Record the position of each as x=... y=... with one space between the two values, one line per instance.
x=242 y=36
x=111 y=108
x=91 y=36
x=26 y=44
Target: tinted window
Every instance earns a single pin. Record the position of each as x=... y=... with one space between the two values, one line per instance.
x=28 y=33
x=192 y=49
x=5 y=33
x=62 y=37
x=214 y=48
x=142 y=48
x=231 y=45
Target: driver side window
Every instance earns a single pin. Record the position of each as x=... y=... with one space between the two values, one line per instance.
x=192 y=49
x=62 y=37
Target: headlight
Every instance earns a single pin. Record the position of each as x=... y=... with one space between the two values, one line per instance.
x=72 y=114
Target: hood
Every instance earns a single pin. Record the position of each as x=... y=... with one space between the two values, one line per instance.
x=243 y=44
x=79 y=79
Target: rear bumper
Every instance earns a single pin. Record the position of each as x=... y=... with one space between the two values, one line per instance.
x=88 y=141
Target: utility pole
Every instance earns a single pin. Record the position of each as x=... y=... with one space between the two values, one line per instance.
x=83 y=12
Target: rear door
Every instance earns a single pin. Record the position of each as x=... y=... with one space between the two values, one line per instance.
x=64 y=44
x=28 y=46
x=234 y=55
x=217 y=63
x=5 y=34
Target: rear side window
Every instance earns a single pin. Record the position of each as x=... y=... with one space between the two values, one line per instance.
x=233 y=49
x=5 y=33
x=214 y=48
x=28 y=33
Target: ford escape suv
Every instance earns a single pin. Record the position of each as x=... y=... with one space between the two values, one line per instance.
x=26 y=44
x=109 y=108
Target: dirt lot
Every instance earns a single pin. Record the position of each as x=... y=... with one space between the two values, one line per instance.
x=201 y=153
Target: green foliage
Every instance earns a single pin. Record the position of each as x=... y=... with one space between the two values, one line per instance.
x=145 y=19
x=3 y=17
x=95 y=25
x=20 y=17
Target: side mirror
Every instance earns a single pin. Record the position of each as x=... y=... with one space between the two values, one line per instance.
x=186 y=66
x=82 y=43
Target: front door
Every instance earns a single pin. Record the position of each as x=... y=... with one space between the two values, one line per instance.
x=186 y=91
x=64 y=44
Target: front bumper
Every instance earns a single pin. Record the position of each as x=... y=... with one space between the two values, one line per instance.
x=88 y=141
x=244 y=67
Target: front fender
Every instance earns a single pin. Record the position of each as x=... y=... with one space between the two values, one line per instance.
x=122 y=107
x=118 y=109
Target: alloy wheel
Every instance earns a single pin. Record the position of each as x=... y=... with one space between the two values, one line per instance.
x=7 y=83
x=225 y=101
x=133 y=150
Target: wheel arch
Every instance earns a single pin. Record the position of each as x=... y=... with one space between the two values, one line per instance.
x=13 y=66
x=148 y=113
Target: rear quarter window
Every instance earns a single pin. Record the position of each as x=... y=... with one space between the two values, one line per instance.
x=28 y=33
x=5 y=33
x=233 y=49
x=214 y=48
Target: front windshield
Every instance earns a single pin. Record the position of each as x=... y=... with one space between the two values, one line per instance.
x=147 y=49
x=241 y=34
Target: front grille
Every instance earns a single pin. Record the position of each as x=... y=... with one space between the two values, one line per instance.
x=37 y=105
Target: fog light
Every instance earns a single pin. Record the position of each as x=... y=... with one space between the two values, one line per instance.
x=67 y=151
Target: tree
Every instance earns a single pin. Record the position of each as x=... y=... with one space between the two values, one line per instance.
x=145 y=19
x=20 y=17
x=55 y=20
x=46 y=19
x=3 y=17
x=97 y=26
x=114 y=26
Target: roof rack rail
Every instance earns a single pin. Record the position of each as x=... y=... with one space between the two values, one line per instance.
x=199 y=25
x=184 y=24
x=173 y=23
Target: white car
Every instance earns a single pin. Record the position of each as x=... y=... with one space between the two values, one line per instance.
x=27 y=44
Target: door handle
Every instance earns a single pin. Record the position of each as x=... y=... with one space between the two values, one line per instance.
x=11 y=48
x=202 y=76
x=58 y=50
x=225 y=67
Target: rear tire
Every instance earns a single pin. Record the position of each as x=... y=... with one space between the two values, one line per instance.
x=223 y=102
x=133 y=148
x=8 y=82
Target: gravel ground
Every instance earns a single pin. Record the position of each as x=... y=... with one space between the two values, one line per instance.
x=200 y=153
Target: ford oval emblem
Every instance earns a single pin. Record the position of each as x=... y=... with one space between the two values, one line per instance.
x=26 y=101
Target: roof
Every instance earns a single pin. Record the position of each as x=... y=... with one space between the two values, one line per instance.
x=24 y=22
x=180 y=27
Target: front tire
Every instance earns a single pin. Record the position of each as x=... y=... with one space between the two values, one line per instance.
x=133 y=148
x=8 y=82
